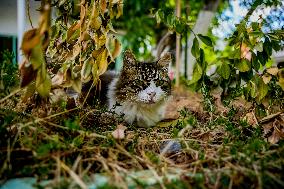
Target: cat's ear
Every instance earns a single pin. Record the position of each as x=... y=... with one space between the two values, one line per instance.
x=128 y=58
x=165 y=60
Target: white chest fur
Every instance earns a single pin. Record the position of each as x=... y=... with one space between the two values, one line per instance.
x=145 y=115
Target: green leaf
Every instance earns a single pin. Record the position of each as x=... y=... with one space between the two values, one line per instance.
x=206 y=40
x=87 y=69
x=253 y=90
x=197 y=73
x=224 y=70
x=43 y=83
x=37 y=58
x=195 y=48
x=243 y=65
x=262 y=89
x=202 y=58
x=77 y=85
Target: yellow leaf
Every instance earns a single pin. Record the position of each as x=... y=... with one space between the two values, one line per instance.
x=96 y=23
x=113 y=46
x=272 y=71
x=77 y=85
x=43 y=83
x=102 y=62
x=82 y=14
x=266 y=78
x=96 y=53
x=87 y=69
x=119 y=9
x=95 y=73
x=117 y=49
x=37 y=57
x=101 y=41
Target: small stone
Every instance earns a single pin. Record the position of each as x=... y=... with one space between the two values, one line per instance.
x=170 y=147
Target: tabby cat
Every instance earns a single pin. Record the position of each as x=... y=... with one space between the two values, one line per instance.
x=141 y=90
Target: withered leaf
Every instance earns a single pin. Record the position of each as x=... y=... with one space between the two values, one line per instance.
x=119 y=132
x=103 y=6
x=102 y=62
x=266 y=78
x=272 y=71
x=43 y=85
x=27 y=72
x=87 y=69
x=77 y=85
x=30 y=39
x=57 y=79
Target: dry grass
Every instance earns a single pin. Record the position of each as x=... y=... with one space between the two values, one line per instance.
x=202 y=149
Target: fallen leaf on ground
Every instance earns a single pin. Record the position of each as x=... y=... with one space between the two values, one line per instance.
x=118 y=133
x=251 y=119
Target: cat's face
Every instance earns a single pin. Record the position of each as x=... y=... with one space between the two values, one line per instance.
x=143 y=82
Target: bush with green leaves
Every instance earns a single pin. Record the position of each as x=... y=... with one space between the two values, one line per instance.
x=244 y=67
x=9 y=77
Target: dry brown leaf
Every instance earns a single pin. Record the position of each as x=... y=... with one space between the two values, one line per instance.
x=30 y=39
x=266 y=78
x=245 y=52
x=103 y=6
x=274 y=138
x=272 y=71
x=119 y=132
x=57 y=79
x=27 y=72
x=267 y=127
x=82 y=14
x=76 y=51
x=251 y=119
x=119 y=9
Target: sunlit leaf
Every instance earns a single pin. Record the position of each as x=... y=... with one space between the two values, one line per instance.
x=272 y=71
x=95 y=72
x=77 y=85
x=253 y=89
x=103 y=6
x=119 y=9
x=224 y=70
x=102 y=62
x=43 y=83
x=87 y=69
x=197 y=73
x=243 y=65
x=266 y=78
x=113 y=46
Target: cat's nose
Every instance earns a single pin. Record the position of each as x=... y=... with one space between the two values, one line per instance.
x=152 y=94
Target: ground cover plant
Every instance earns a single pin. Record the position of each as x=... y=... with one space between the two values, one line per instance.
x=221 y=130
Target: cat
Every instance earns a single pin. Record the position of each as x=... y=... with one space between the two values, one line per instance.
x=140 y=91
